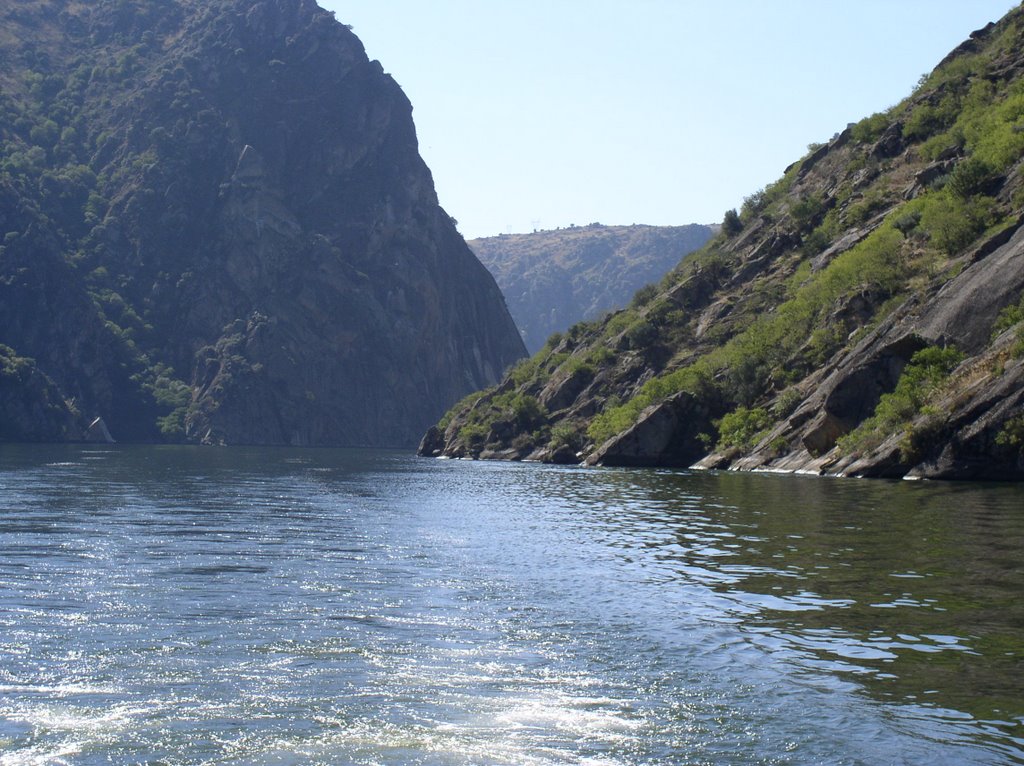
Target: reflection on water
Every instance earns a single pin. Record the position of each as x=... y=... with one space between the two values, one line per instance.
x=273 y=606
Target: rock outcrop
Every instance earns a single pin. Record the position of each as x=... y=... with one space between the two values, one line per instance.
x=666 y=434
x=31 y=406
x=219 y=229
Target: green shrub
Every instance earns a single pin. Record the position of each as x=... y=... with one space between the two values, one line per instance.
x=923 y=436
x=168 y=391
x=779 y=446
x=644 y=295
x=172 y=426
x=552 y=363
x=953 y=222
x=524 y=370
x=552 y=342
x=759 y=202
x=618 y=322
x=927 y=370
x=465 y=403
x=806 y=211
x=565 y=435
x=993 y=134
x=928 y=119
x=614 y=419
x=1012 y=434
x=640 y=334
x=575 y=365
x=906 y=223
x=823 y=235
x=599 y=356
x=1008 y=317
x=474 y=435
x=1016 y=350
x=970 y=177
x=731 y=223
x=742 y=428
x=860 y=212
x=617 y=417
x=939 y=144
x=869 y=129
x=786 y=402
x=526 y=411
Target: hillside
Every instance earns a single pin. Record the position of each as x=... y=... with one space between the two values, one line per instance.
x=217 y=228
x=863 y=315
x=554 y=279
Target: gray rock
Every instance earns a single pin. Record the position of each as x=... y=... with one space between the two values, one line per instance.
x=664 y=435
x=432 y=443
x=851 y=392
x=890 y=143
x=963 y=311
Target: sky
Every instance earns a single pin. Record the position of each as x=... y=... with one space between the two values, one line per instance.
x=541 y=114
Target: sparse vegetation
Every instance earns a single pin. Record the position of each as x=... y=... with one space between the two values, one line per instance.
x=731 y=223
x=870 y=128
x=927 y=370
x=742 y=428
x=552 y=279
x=1012 y=435
x=750 y=325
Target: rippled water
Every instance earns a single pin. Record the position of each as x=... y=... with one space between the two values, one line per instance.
x=234 y=606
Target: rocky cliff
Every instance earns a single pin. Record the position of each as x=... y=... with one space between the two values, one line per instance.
x=863 y=315
x=217 y=228
x=554 y=279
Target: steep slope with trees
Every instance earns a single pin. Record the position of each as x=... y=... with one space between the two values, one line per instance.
x=863 y=315
x=217 y=227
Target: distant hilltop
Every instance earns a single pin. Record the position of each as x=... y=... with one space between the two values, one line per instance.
x=554 y=279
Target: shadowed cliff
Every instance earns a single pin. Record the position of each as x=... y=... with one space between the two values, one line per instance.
x=217 y=228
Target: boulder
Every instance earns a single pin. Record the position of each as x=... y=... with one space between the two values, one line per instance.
x=432 y=444
x=851 y=393
x=666 y=434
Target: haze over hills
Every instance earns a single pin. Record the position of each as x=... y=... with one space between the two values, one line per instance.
x=553 y=279
x=217 y=228
x=863 y=315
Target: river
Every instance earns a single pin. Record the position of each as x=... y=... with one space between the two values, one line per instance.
x=179 y=605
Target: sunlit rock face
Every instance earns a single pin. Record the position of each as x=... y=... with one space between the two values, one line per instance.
x=863 y=315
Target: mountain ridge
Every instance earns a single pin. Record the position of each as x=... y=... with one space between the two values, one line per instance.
x=553 y=279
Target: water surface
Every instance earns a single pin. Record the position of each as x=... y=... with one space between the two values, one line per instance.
x=170 y=605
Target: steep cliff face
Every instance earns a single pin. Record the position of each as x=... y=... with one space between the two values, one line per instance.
x=554 y=279
x=864 y=315
x=218 y=228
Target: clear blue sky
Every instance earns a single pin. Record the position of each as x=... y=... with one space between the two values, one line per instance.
x=544 y=113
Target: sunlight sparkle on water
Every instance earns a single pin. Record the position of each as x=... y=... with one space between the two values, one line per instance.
x=182 y=606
